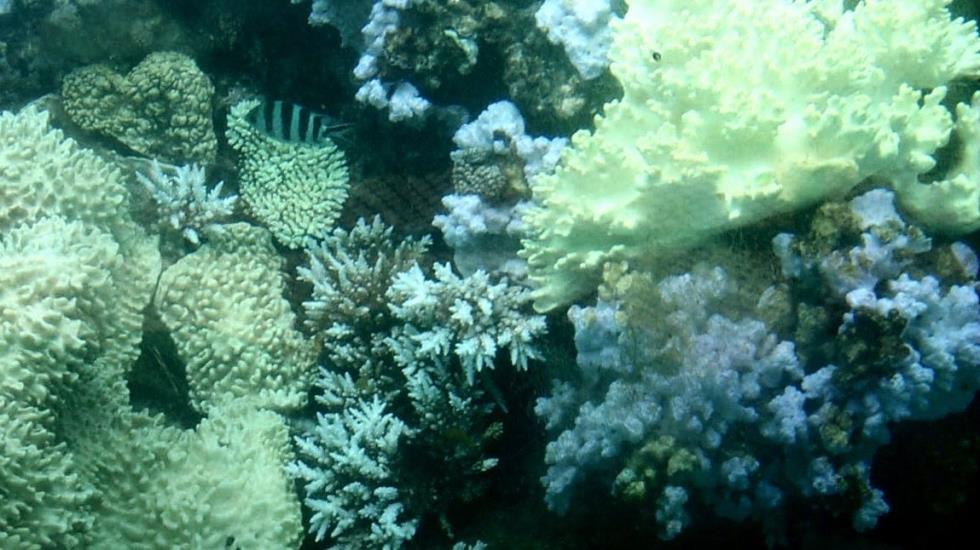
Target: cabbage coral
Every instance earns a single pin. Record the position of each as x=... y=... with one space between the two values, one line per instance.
x=737 y=110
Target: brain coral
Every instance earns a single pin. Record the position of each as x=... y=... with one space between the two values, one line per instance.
x=224 y=305
x=161 y=109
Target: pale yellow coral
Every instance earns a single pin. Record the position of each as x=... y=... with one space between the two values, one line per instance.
x=222 y=484
x=161 y=109
x=736 y=110
x=225 y=308
x=65 y=195
x=75 y=275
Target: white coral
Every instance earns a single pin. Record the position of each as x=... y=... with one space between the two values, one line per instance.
x=184 y=201
x=472 y=316
x=349 y=479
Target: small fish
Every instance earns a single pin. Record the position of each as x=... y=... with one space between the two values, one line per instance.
x=287 y=121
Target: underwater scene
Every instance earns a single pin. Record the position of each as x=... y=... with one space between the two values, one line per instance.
x=489 y=274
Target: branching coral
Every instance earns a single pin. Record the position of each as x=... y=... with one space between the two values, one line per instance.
x=184 y=201
x=692 y=397
x=404 y=354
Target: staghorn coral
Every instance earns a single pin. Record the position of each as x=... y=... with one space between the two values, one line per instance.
x=346 y=462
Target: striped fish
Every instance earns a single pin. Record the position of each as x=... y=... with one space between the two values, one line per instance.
x=287 y=121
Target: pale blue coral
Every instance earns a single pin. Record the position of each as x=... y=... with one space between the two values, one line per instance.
x=698 y=375
x=346 y=468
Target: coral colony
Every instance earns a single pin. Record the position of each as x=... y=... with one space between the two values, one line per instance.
x=671 y=267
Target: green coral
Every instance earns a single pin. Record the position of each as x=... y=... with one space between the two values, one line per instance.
x=161 y=109
x=723 y=123
x=296 y=189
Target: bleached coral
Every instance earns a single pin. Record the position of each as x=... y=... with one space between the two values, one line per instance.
x=723 y=123
x=888 y=247
x=350 y=484
x=225 y=308
x=727 y=372
x=46 y=175
x=75 y=275
x=347 y=16
x=183 y=199
x=223 y=482
x=582 y=28
x=494 y=161
x=46 y=503
x=500 y=128
x=483 y=236
x=470 y=318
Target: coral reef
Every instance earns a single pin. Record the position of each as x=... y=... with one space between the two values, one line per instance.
x=491 y=167
x=693 y=395
x=412 y=52
x=296 y=189
x=161 y=109
x=761 y=328
x=582 y=28
x=81 y=468
x=352 y=489
x=223 y=483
